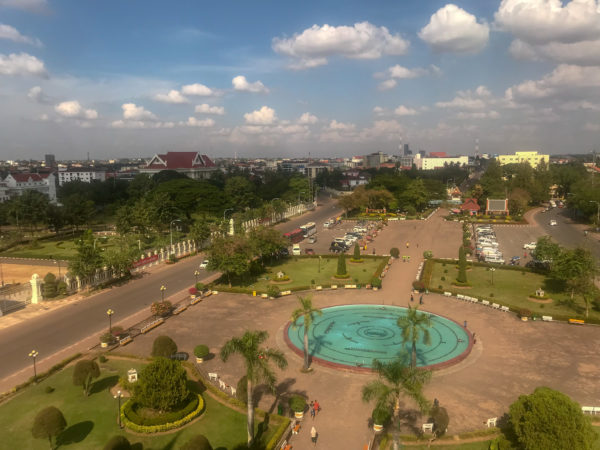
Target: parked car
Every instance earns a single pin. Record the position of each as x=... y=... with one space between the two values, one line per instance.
x=309 y=251
x=530 y=246
x=283 y=251
x=338 y=247
x=553 y=222
x=204 y=264
x=515 y=261
x=312 y=239
x=180 y=356
x=296 y=250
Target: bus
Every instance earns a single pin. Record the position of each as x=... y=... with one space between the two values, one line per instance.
x=295 y=236
x=309 y=229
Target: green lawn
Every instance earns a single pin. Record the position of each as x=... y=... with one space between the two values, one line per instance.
x=63 y=248
x=511 y=288
x=92 y=421
x=302 y=271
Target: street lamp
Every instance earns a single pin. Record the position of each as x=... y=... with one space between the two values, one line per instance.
x=492 y=270
x=110 y=312
x=598 y=213
x=118 y=396
x=171 y=232
x=225 y=212
x=196 y=273
x=33 y=354
x=163 y=288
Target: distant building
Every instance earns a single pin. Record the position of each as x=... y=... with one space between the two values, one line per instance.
x=406 y=161
x=4 y=193
x=50 y=161
x=314 y=169
x=496 y=207
x=430 y=163
x=354 y=178
x=19 y=182
x=291 y=166
x=471 y=206
x=532 y=158
x=375 y=159
x=192 y=164
x=80 y=174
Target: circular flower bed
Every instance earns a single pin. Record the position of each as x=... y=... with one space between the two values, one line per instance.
x=163 y=422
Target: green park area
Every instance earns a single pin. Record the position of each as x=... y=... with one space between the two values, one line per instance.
x=512 y=288
x=307 y=272
x=63 y=248
x=92 y=420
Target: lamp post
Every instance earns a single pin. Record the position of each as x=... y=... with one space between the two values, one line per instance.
x=109 y=313
x=33 y=354
x=118 y=397
x=492 y=270
x=597 y=214
x=196 y=273
x=163 y=288
x=171 y=233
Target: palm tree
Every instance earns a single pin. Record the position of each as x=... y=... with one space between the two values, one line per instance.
x=412 y=325
x=396 y=379
x=256 y=359
x=307 y=313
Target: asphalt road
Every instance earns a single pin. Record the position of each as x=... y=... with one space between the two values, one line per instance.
x=326 y=209
x=63 y=327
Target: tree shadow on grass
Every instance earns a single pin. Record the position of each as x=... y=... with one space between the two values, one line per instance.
x=171 y=444
x=104 y=384
x=75 y=433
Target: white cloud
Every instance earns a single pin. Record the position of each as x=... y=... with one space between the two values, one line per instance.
x=204 y=123
x=400 y=72
x=12 y=34
x=36 y=94
x=241 y=84
x=172 y=97
x=387 y=84
x=404 y=111
x=307 y=119
x=547 y=29
x=205 y=108
x=379 y=111
x=469 y=100
x=21 y=64
x=27 y=5
x=341 y=126
x=128 y=124
x=262 y=116
x=137 y=113
x=313 y=46
x=452 y=29
x=197 y=89
x=73 y=110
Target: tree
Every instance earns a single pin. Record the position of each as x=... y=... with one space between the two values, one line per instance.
x=197 y=442
x=118 y=443
x=240 y=192
x=88 y=257
x=120 y=257
x=546 y=250
x=162 y=385
x=462 y=265
x=78 y=210
x=84 y=373
x=577 y=269
x=266 y=242
x=49 y=286
x=163 y=346
x=413 y=324
x=230 y=255
x=518 y=200
x=307 y=312
x=33 y=206
x=550 y=419
x=257 y=361
x=200 y=231
x=341 y=266
x=48 y=424
x=55 y=217
x=356 y=256
x=396 y=379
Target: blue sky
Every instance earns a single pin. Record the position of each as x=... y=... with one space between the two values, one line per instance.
x=274 y=78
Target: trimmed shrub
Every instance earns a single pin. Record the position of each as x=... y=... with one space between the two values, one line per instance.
x=427 y=254
x=162 y=385
x=273 y=291
x=118 y=443
x=102 y=358
x=198 y=442
x=462 y=266
x=297 y=403
x=48 y=389
x=62 y=287
x=200 y=286
x=376 y=282
x=341 y=266
x=164 y=427
x=418 y=285
x=201 y=351
x=394 y=252
x=49 y=288
x=356 y=252
x=163 y=346
x=162 y=308
x=48 y=424
x=133 y=407
x=524 y=312
x=84 y=373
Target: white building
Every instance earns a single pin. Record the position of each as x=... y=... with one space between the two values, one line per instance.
x=19 y=182
x=430 y=163
x=80 y=174
x=192 y=164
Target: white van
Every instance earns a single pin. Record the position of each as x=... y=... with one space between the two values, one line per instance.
x=553 y=203
x=296 y=250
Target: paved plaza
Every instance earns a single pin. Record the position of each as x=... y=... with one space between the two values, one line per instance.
x=509 y=358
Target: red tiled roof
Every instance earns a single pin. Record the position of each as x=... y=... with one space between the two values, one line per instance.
x=23 y=177
x=438 y=154
x=181 y=160
x=470 y=204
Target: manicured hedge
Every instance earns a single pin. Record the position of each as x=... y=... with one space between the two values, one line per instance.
x=131 y=406
x=271 y=445
x=165 y=426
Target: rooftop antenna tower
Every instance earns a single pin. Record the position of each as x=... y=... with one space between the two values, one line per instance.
x=476 y=147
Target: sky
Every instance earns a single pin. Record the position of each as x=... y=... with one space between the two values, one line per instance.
x=293 y=79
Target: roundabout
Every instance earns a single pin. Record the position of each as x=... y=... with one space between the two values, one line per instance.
x=352 y=336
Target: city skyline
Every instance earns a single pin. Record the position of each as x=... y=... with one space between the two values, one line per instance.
x=271 y=79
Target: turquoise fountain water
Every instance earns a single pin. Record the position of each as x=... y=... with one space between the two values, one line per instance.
x=354 y=335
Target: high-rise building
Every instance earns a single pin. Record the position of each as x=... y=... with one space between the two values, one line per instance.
x=50 y=160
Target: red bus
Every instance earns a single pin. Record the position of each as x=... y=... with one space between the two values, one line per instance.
x=295 y=236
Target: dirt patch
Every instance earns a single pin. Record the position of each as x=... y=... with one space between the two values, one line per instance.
x=281 y=282
x=540 y=300
x=20 y=273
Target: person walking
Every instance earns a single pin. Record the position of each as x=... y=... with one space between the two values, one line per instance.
x=317 y=407
x=313 y=435
x=312 y=410
x=421 y=299
x=411 y=298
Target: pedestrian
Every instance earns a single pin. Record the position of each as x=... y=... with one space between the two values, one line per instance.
x=407 y=245
x=317 y=407
x=474 y=340
x=373 y=250
x=411 y=298
x=465 y=324
x=312 y=409
x=525 y=255
x=421 y=299
x=313 y=435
